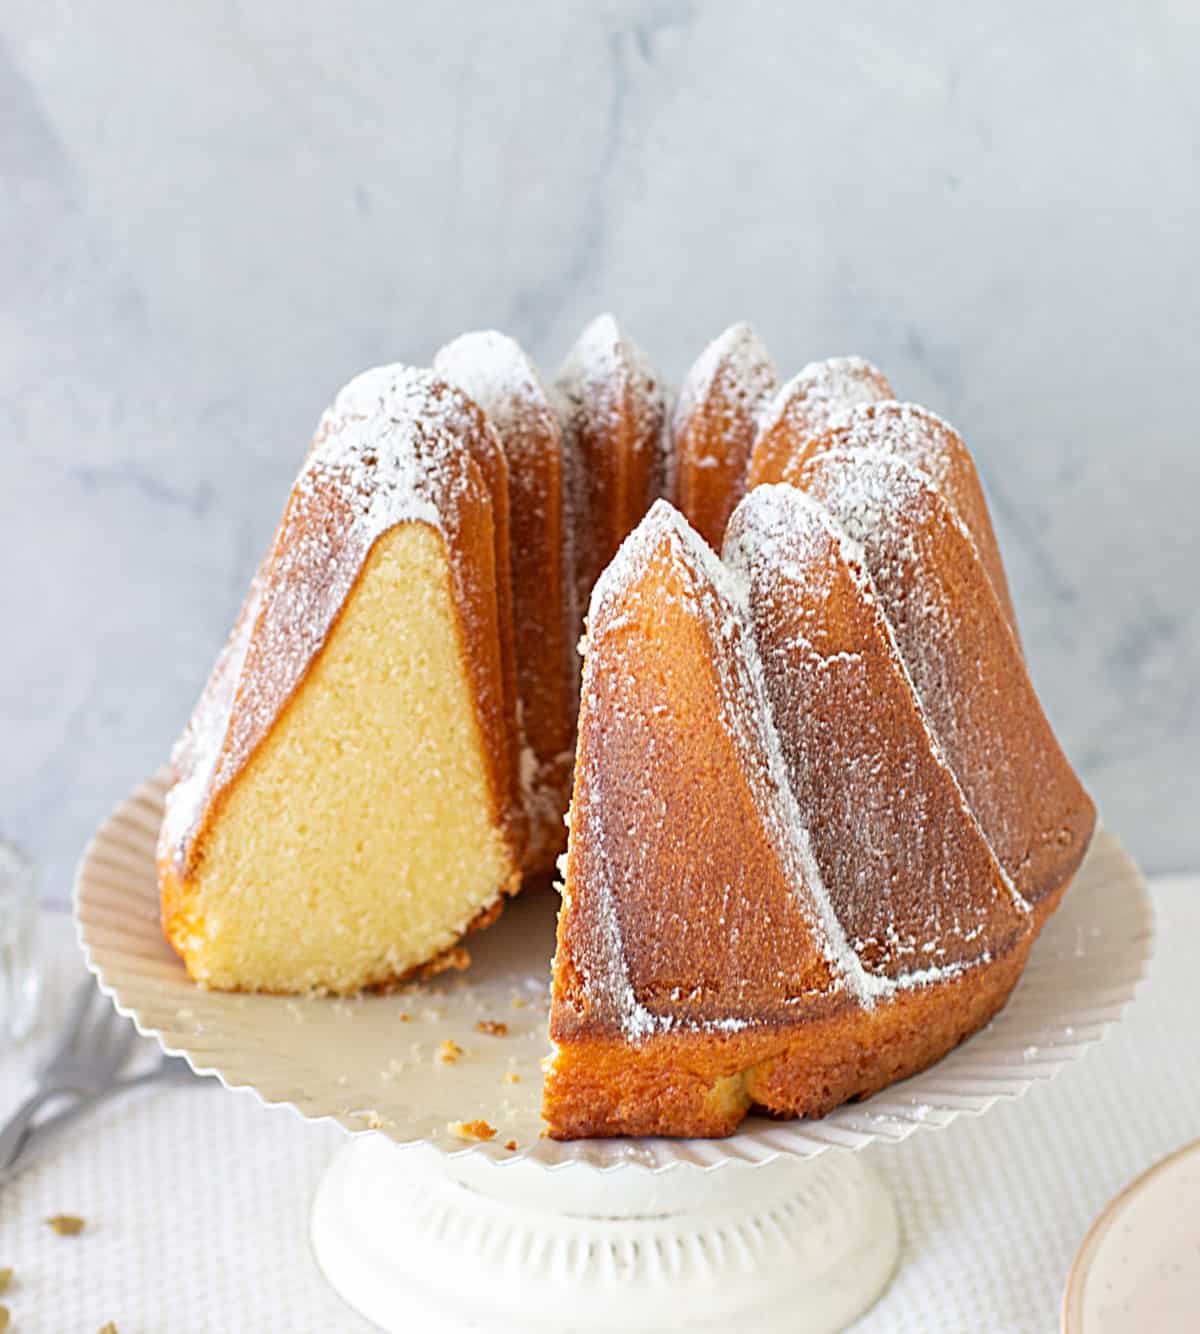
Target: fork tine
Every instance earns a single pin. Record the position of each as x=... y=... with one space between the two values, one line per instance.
x=73 y=1026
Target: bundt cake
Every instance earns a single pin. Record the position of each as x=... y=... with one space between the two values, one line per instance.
x=817 y=816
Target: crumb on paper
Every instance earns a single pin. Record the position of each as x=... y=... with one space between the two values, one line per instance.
x=4 y=1317
x=510 y=1144
x=373 y=1119
x=67 y=1225
x=5 y=1279
x=493 y=1027
x=110 y=1328
x=511 y=1077
x=519 y=1003
x=405 y=1017
x=448 y=1052
x=471 y=1129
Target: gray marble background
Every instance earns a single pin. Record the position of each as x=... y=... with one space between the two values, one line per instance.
x=212 y=214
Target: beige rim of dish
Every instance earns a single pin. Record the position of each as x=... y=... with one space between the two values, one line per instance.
x=1139 y=1265
x=374 y=1064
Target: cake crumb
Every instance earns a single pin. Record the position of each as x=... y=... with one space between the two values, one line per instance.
x=510 y=1144
x=67 y=1225
x=405 y=1017
x=5 y=1279
x=493 y=1027
x=471 y=1129
x=519 y=1003
x=448 y=1052
x=511 y=1077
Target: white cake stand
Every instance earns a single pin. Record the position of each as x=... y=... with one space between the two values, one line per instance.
x=418 y=1227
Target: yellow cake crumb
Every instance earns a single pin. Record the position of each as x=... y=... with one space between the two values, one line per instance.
x=471 y=1129
x=493 y=1027
x=448 y=1052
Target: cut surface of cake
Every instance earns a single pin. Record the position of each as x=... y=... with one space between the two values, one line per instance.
x=367 y=662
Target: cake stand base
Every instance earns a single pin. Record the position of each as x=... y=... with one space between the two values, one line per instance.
x=414 y=1240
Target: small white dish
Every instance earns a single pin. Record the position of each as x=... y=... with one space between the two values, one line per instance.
x=1138 y=1270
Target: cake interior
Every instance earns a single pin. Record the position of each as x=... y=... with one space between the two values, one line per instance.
x=372 y=791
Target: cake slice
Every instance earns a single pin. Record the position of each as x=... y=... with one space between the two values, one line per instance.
x=347 y=804
x=713 y=428
x=497 y=374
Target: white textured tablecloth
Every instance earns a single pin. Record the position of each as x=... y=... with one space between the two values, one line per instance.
x=197 y=1200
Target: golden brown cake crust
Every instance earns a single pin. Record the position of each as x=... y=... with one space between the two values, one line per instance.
x=696 y=1083
x=713 y=428
x=493 y=370
x=804 y=409
x=881 y=630
x=921 y=438
x=614 y=412
x=964 y=661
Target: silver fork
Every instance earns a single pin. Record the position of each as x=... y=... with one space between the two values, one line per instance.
x=43 y=1135
x=95 y=1045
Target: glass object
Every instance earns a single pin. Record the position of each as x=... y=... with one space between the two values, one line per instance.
x=20 y=978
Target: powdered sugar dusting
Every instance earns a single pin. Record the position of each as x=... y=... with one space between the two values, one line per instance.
x=784 y=539
x=492 y=368
x=745 y=716
x=736 y=369
x=913 y=433
x=496 y=373
x=877 y=498
x=907 y=430
x=823 y=392
x=606 y=363
x=613 y=409
x=389 y=451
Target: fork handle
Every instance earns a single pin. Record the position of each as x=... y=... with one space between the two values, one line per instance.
x=17 y=1125
x=38 y=1138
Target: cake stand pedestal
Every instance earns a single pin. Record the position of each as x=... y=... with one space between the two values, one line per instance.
x=778 y=1224
x=413 y=1240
